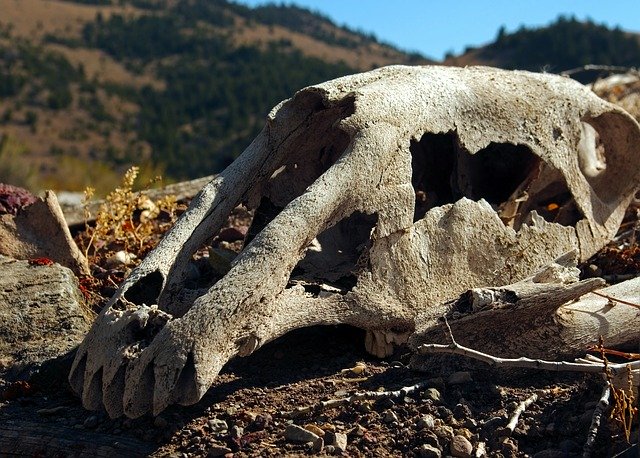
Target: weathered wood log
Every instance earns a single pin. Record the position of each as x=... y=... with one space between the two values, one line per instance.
x=549 y=315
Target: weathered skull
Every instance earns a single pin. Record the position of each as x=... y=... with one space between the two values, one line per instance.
x=378 y=195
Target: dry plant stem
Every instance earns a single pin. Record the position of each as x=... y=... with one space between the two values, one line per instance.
x=366 y=395
x=603 y=405
x=528 y=363
x=632 y=304
x=513 y=422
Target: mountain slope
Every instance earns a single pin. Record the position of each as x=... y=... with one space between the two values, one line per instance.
x=181 y=86
x=565 y=44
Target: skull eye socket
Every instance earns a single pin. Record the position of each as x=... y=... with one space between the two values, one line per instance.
x=510 y=177
x=443 y=171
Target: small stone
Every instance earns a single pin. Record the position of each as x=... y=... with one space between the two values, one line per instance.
x=236 y=432
x=390 y=416
x=160 y=422
x=426 y=421
x=329 y=449
x=462 y=411
x=429 y=451
x=218 y=450
x=461 y=447
x=459 y=378
x=493 y=422
x=359 y=431
x=218 y=426
x=509 y=446
x=91 y=422
x=359 y=369
x=339 y=442
x=314 y=429
x=120 y=258
x=432 y=394
x=464 y=432
x=262 y=420
x=233 y=234
x=443 y=432
x=295 y=433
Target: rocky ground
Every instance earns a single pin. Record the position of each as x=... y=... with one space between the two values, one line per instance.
x=254 y=409
x=274 y=402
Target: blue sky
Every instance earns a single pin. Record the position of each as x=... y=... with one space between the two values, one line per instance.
x=436 y=27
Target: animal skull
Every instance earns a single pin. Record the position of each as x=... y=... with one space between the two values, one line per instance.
x=386 y=194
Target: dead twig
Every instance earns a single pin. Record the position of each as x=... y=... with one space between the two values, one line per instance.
x=365 y=395
x=613 y=299
x=556 y=366
x=592 y=67
x=513 y=422
x=603 y=405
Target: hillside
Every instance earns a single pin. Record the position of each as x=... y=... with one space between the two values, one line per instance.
x=565 y=44
x=180 y=87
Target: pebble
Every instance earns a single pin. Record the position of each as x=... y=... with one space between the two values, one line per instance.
x=429 y=451
x=359 y=369
x=295 y=433
x=459 y=378
x=218 y=426
x=233 y=234
x=262 y=420
x=236 y=432
x=432 y=394
x=464 y=432
x=91 y=422
x=443 y=432
x=160 y=422
x=359 y=431
x=426 y=421
x=390 y=416
x=218 y=450
x=461 y=447
x=462 y=411
x=338 y=441
x=509 y=446
x=315 y=430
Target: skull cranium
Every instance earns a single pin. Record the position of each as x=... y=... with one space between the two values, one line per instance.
x=386 y=193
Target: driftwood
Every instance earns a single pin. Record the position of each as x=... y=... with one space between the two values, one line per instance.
x=548 y=315
x=380 y=197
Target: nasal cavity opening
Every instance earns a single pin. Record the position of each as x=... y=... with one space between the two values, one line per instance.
x=336 y=256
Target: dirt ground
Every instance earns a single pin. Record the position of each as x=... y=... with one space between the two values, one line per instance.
x=247 y=411
x=461 y=408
